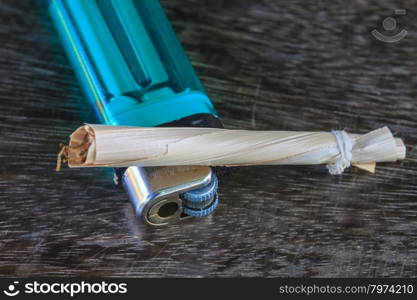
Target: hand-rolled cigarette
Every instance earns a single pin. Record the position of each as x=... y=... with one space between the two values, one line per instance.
x=117 y=146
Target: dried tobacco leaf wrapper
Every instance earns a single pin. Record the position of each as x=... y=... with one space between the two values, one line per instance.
x=118 y=146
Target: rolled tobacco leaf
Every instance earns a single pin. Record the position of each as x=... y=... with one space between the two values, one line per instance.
x=119 y=146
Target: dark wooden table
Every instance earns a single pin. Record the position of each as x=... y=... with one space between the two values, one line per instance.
x=290 y=65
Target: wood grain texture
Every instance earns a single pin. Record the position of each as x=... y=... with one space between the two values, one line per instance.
x=267 y=65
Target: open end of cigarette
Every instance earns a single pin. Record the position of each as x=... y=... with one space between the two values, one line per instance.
x=81 y=149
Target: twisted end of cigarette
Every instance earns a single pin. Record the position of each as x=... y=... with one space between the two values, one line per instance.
x=380 y=142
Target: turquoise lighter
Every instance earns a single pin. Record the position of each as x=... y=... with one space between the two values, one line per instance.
x=134 y=72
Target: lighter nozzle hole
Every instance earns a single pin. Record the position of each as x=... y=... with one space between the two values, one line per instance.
x=167 y=210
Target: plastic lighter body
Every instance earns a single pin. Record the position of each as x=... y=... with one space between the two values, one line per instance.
x=134 y=72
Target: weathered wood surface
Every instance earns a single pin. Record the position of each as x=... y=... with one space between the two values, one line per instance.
x=290 y=65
